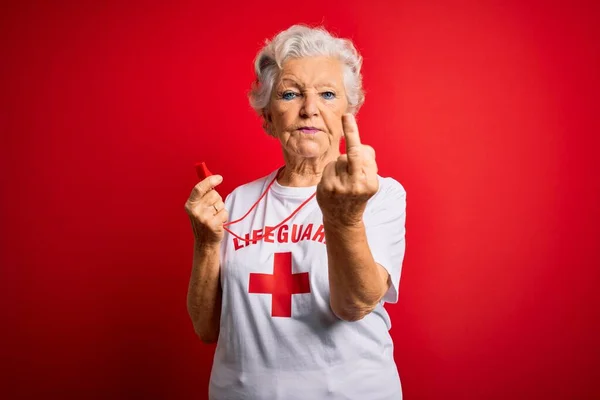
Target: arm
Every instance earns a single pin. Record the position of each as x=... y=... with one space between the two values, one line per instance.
x=204 y=292
x=356 y=282
x=207 y=214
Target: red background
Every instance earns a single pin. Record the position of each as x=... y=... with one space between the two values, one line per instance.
x=486 y=113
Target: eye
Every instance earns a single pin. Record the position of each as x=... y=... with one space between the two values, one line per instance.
x=328 y=95
x=289 y=95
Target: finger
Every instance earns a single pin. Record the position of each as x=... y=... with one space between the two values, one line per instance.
x=328 y=177
x=222 y=216
x=217 y=207
x=341 y=166
x=205 y=186
x=210 y=198
x=353 y=145
x=216 y=222
x=350 y=131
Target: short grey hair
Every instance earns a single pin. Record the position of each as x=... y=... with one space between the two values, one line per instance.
x=303 y=41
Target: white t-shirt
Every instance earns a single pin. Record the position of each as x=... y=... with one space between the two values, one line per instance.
x=289 y=345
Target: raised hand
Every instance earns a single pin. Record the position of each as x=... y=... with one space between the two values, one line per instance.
x=349 y=182
x=207 y=212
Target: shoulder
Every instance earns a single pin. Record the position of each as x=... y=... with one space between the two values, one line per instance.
x=389 y=188
x=391 y=194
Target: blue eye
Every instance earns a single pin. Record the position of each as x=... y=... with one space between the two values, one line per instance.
x=328 y=95
x=289 y=95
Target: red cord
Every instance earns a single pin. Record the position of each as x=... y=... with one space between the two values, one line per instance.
x=203 y=172
x=256 y=203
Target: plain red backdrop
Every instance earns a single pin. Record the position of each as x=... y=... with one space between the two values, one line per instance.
x=486 y=113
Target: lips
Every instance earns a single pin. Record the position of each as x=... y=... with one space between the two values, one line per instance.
x=309 y=129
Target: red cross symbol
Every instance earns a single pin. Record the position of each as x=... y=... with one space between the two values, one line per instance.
x=281 y=285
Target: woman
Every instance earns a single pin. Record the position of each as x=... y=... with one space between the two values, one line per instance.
x=293 y=290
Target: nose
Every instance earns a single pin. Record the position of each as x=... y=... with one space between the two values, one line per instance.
x=309 y=106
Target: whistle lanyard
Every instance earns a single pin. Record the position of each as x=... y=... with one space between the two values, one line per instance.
x=225 y=225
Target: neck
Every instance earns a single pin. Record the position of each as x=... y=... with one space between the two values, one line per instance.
x=304 y=171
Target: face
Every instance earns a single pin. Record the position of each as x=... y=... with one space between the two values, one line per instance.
x=306 y=108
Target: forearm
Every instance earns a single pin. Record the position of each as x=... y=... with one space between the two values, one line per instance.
x=204 y=292
x=355 y=280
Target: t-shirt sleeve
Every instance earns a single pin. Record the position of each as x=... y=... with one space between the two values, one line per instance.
x=385 y=220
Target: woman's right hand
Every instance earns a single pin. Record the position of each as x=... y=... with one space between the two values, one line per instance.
x=207 y=211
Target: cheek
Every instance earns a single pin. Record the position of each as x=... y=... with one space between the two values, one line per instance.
x=280 y=108
x=342 y=106
x=277 y=114
x=286 y=114
x=337 y=107
x=332 y=113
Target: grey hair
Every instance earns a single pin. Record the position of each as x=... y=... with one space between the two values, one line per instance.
x=303 y=41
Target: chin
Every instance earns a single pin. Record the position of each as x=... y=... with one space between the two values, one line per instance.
x=310 y=151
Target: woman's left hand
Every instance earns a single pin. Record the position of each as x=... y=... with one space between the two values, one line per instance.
x=348 y=183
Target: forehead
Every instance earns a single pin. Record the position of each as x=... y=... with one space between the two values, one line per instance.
x=308 y=71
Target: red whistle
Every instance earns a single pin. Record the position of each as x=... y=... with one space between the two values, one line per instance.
x=202 y=171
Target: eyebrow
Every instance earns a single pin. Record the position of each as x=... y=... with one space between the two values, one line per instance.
x=292 y=81
x=299 y=85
